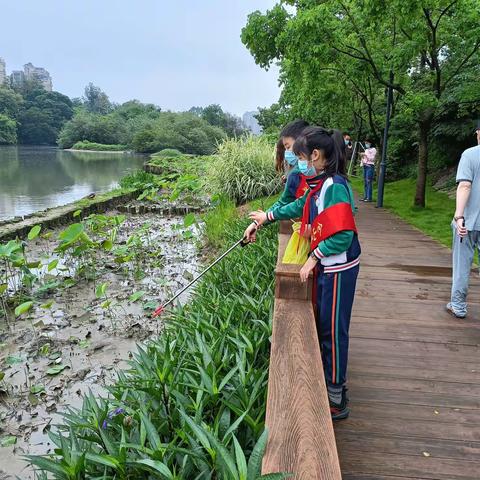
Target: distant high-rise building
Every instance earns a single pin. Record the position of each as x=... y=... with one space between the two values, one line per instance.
x=17 y=78
x=251 y=122
x=40 y=74
x=3 y=71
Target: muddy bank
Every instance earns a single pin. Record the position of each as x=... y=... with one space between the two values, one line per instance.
x=19 y=227
x=74 y=340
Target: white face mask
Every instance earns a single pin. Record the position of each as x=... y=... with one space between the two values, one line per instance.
x=368 y=145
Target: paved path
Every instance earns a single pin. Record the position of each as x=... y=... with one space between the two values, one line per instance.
x=414 y=371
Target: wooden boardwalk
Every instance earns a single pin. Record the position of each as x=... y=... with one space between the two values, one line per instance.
x=414 y=371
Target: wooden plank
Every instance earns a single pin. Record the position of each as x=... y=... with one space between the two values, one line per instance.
x=382 y=411
x=301 y=438
x=414 y=466
x=414 y=371
x=405 y=445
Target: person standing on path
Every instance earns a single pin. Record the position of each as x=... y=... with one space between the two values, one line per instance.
x=367 y=160
x=466 y=226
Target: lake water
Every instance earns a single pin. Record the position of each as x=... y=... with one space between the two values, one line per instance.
x=36 y=178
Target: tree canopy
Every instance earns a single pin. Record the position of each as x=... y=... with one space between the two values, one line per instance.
x=337 y=57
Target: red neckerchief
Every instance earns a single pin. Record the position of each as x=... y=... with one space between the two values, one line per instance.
x=315 y=184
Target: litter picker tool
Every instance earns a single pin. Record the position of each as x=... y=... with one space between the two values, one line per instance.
x=160 y=309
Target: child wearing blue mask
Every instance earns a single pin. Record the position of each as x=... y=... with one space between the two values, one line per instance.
x=296 y=185
x=335 y=251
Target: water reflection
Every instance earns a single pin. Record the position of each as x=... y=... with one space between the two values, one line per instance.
x=35 y=178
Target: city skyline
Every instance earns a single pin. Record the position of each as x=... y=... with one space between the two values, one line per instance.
x=29 y=72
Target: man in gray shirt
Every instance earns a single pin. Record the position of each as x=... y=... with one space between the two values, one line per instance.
x=466 y=226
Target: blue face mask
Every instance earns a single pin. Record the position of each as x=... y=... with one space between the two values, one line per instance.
x=305 y=169
x=368 y=145
x=290 y=157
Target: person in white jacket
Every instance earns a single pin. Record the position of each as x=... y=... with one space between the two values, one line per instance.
x=367 y=160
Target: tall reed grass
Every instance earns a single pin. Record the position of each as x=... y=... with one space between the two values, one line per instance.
x=243 y=169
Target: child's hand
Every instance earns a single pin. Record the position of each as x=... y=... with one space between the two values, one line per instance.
x=308 y=266
x=258 y=216
x=251 y=233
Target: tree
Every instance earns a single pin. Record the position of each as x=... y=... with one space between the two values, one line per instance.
x=135 y=108
x=10 y=102
x=36 y=127
x=8 y=130
x=215 y=116
x=107 y=129
x=364 y=47
x=272 y=118
x=96 y=100
x=43 y=116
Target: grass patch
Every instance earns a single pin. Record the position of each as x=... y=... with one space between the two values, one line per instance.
x=434 y=219
x=99 y=147
x=168 y=152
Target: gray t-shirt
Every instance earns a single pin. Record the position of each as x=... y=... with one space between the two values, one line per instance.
x=469 y=170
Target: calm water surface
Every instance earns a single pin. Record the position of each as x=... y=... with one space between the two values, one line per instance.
x=35 y=178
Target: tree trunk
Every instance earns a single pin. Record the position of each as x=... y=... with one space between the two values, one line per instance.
x=423 y=131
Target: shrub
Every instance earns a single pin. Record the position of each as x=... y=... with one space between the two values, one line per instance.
x=106 y=129
x=100 y=147
x=137 y=179
x=244 y=170
x=168 y=152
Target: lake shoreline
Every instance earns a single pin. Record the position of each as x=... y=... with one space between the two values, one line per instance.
x=63 y=214
x=76 y=150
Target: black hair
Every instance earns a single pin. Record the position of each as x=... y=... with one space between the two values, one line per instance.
x=279 y=156
x=294 y=129
x=330 y=142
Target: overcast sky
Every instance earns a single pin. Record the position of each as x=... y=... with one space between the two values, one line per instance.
x=176 y=53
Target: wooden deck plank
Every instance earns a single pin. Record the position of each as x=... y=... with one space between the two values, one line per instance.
x=414 y=371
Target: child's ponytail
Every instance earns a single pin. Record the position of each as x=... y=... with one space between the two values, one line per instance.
x=330 y=142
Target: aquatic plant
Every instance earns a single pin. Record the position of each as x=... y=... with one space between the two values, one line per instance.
x=192 y=404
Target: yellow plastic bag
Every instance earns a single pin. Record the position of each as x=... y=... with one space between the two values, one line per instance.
x=297 y=247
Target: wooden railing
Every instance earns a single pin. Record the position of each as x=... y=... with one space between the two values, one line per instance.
x=301 y=438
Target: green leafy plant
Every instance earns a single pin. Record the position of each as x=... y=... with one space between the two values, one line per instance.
x=243 y=169
x=192 y=403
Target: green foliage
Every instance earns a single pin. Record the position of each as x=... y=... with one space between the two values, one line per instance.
x=137 y=179
x=144 y=129
x=181 y=131
x=192 y=404
x=95 y=100
x=8 y=130
x=43 y=116
x=272 y=119
x=168 y=152
x=100 y=147
x=336 y=75
x=84 y=126
x=243 y=169
x=215 y=219
x=11 y=102
x=214 y=115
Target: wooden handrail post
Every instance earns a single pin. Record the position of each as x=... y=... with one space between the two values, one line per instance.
x=301 y=438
